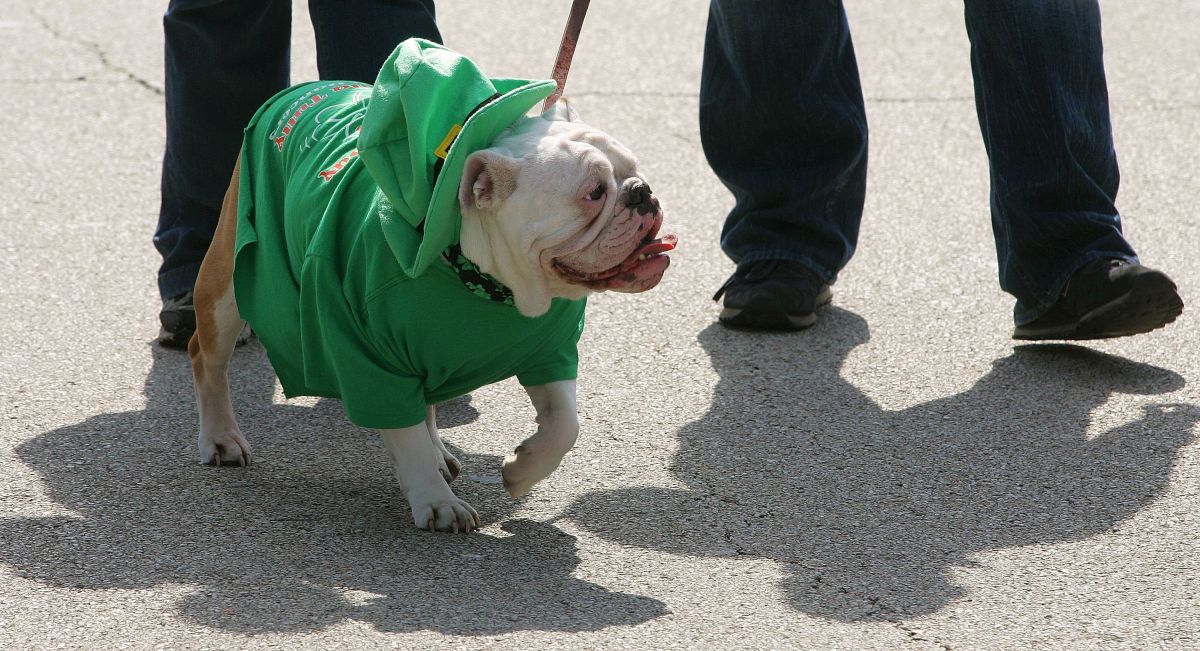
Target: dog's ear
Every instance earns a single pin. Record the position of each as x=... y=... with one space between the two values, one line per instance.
x=561 y=111
x=488 y=178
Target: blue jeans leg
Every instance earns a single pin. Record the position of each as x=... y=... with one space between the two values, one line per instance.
x=224 y=58
x=783 y=125
x=354 y=37
x=1042 y=101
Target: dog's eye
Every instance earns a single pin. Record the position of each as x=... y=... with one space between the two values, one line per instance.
x=598 y=193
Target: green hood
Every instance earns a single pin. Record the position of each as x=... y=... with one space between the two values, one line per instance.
x=429 y=110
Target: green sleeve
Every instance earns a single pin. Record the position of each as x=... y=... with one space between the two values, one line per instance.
x=401 y=403
x=559 y=364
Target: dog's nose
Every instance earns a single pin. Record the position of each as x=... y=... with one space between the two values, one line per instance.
x=641 y=199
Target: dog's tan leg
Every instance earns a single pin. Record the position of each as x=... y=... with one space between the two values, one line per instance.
x=417 y=462
x=217 y=328
x=449 y=466
x=558 y=427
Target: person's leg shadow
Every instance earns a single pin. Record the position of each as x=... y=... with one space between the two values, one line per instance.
x=872 y=509
x=316 y=531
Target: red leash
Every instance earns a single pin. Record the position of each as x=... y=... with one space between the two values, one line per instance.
x=566 y=49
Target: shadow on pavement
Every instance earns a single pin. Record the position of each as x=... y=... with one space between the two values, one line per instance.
x=869 y=511
x=315 y=532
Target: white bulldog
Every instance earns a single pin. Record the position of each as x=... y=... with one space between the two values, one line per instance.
x=553 y=208
x=556 y=208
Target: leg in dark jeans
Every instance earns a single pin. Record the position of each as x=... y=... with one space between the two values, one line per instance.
x=1042 y=102
x=224 y=58
x=783 y=126
x=354 y=37
x=781 y=122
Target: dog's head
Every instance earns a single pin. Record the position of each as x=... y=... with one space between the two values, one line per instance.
x=558 y=208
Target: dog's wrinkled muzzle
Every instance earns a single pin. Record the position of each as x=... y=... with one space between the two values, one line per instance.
x=642 y=268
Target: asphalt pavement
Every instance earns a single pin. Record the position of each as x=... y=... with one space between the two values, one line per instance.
x=902 y=475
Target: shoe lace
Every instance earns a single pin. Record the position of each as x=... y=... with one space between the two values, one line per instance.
x=179 y=302
x=750 y=272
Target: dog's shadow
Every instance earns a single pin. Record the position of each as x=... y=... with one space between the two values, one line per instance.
x=870 y=511
x=315 y=532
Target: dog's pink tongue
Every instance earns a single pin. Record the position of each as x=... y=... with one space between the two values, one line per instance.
x=637 y=274
x=661 y=245
x=649 y=249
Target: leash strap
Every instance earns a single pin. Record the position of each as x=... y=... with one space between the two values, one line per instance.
x=566 y=49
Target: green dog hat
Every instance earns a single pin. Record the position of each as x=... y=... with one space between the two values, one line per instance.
x=430 y=109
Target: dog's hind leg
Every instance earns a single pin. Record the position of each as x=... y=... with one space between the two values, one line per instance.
x=218 y=325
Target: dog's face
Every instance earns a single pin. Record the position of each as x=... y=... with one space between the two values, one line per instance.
x=557 y=208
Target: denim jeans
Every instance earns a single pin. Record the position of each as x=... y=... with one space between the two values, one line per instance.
x=224 y=58
x=783 y=125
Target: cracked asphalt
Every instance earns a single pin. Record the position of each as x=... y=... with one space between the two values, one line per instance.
x=900 y=476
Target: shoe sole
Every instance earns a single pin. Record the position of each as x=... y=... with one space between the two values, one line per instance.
x=760 y=320
x=1150 y=304
x=179 y=340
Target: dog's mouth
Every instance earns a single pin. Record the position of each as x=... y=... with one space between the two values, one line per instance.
x=641 y=270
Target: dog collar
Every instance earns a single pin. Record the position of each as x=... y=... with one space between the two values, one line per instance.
x=483 y=285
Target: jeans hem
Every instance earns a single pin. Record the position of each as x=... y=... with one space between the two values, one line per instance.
x=828 y=277
x=1025 y=314
x=177 y=281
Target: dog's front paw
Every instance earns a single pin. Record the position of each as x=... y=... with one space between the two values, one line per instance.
x=446 y=513
x=526 y=466
x=228 y=448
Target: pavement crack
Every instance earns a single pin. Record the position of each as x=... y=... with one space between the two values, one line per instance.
x=917 y=635
x=96 y=50
x=738 y=549
x=888 y=614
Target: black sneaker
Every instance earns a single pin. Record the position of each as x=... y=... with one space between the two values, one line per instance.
x=1105 y=299
x=772 y=295
x=178 y=319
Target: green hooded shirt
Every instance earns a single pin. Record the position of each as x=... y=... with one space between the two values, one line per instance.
x=316 y=278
